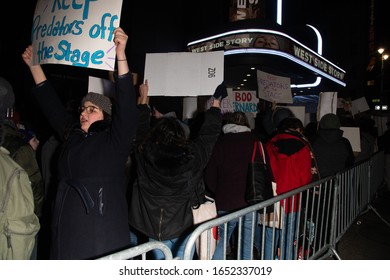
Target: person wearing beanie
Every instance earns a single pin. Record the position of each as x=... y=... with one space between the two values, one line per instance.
x=90 y=212
x=330 y=121
x=103 y=102
x=332 y=151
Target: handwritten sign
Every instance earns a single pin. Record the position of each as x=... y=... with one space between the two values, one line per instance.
x=238 y=101
x=274 y=88
x=77 y=33
x=184 y=73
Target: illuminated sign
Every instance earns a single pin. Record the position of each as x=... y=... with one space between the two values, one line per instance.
x=263 y=41
x=246 y=9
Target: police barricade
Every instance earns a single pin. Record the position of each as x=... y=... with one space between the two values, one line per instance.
x=291 y=235
x=317 y=217
x=140 y=251
x=353 y=197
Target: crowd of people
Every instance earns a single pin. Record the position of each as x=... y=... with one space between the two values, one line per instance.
x=125 y=173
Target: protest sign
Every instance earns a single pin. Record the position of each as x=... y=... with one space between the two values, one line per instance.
x=274 y=88
x=76 y=33
x=184 y=74
x=327 y=103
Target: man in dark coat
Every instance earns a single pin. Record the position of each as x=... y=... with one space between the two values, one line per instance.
x=90 y=215
x=169 y=168
x=332 y=151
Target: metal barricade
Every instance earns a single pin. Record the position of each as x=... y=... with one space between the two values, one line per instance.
x=325 y=210
x=301 y=242
x=140 y=251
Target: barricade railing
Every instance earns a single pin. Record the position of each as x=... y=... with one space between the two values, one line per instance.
x=140 y=251
x=301 y=242
x=325 y=210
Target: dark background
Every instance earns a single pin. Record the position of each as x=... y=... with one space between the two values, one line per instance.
x=166 y=26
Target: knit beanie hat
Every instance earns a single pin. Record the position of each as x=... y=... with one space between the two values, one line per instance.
x=330 y=121
x=103 y=102
x=7 y=98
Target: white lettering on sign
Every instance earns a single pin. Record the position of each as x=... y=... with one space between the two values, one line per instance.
x=317 y=62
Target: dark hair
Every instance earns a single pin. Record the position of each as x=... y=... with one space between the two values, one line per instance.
x=279 y=114
x=167 y=131
x=238 y=118
x=290 y=123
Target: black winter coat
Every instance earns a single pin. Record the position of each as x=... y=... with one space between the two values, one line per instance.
x=163 y=192
x=332 y=151
x=90 y=215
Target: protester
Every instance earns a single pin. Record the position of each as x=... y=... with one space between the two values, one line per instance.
x=225 y=176
x=90 y=215
x=332 y=151
x=293 y=166
x=17 y=142
x=169 y=168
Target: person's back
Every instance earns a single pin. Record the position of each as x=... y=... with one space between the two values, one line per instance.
x=225 y=176
x=25 y=156
x=169 y=168
x=292 y=166
x=18 y=223
x=332 y=151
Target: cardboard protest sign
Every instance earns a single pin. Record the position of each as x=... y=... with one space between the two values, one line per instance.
x=327 y=103
x=77 y=33
x=101 y=86
x=274 y=88
x=359 y=105
x=353 y=135
x=184 y=74
x=243 y=101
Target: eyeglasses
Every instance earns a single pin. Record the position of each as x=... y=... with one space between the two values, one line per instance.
x=88 y=109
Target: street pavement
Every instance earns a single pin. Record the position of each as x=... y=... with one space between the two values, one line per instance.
x=369 y=237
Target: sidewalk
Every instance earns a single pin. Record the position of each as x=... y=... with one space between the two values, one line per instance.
x=369 y=237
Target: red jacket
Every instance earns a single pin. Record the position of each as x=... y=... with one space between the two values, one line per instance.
x=291 y=163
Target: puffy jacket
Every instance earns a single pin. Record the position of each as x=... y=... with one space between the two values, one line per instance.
x=332 y=151
x=291 y=163
x=162 y=194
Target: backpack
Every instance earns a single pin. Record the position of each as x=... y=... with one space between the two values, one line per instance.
x=18 y=223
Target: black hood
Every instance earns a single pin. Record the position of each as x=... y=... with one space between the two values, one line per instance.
x=330 y=135
x=168 y=160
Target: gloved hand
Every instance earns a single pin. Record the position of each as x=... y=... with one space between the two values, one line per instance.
x=220 y=92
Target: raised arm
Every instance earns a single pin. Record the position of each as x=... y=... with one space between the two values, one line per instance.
x=120 y=40
x=36 y=70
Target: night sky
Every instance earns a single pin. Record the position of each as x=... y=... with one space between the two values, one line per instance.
x=164 y=26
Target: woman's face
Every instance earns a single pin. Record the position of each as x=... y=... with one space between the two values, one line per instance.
x=266 y=41
x=89 y=113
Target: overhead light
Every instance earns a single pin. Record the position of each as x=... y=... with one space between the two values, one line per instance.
x=384 y=107
x=377 y=107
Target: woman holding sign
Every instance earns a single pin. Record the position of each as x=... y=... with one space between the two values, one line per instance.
x=90 y=215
